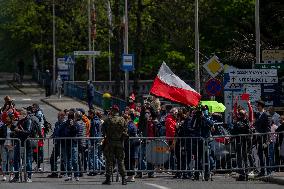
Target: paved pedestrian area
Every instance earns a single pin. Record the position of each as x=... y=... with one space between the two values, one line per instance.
x=64 y=103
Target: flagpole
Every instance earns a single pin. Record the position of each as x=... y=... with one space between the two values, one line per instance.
x=197 y=71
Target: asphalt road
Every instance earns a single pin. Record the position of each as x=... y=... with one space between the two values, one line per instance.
x=155 y=183
x=166 y=182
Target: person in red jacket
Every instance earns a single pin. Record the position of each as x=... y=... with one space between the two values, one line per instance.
x=170 y=122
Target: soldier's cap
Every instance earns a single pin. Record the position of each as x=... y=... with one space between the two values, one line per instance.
x=115 y=108
x=261 y=103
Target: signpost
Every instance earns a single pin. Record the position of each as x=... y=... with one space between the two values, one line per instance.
x=127 y=62
x=90 y=65
x=253 y=79
x=213 y=66
x=63 y=69
x=272 y=55
x=87 y=53
x=252 y=72
x=213 y=87
x=279 y=66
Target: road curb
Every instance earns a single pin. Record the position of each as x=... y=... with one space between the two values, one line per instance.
x=272 y=180
x=44 y=101
x=16 y=87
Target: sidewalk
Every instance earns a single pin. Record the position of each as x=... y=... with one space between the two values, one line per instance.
x=32 y=88
x=64 y=102
x=28 y=86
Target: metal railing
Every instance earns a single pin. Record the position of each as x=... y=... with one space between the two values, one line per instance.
x=184 y=156
x=80 y=92
x=11 y=157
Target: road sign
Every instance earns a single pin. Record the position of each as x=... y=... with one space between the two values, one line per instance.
x=69 y=60
x=270 y=66
x=213 y=66
x=253 y=79
x=60 y=60
x=252 y=72
x=213 y=87
x=128 y=62
x=272 y=55
x=87 y=53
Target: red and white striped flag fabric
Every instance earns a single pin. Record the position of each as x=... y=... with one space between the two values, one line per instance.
x=170 y=86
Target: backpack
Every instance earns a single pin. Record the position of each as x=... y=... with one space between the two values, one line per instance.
x=35 y=127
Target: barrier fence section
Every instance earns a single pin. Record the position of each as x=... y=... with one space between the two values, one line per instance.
x=10 y=162
x=183 y=156
x=261 y=152
x=80 y=92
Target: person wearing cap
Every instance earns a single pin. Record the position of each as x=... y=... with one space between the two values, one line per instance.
x=262 y=126
x=114 y=131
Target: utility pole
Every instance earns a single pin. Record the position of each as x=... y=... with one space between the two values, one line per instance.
x=90 y=65
x=257 y=33
x=109 y=37
x=197 y=71
x=53 y=41
x=93 y=38
x=126 y=75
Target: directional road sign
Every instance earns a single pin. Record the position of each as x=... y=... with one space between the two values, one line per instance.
x=270 y=66
x=252 y=72
x=87 y=53
x=253 y=79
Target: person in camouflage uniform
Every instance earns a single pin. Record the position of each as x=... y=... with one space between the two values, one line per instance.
x=115 y=132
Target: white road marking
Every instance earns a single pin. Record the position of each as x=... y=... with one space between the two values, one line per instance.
x=157 y=186
x=26 y=99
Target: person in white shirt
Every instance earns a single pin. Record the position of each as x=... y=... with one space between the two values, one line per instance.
x=58 y=85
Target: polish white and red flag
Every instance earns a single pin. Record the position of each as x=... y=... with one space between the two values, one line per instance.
x=170 y=86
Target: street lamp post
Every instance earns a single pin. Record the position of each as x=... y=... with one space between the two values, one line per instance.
x=126 y=75
x=257 y=33
x=53 y=40
x=90 y=65
x=197 y=71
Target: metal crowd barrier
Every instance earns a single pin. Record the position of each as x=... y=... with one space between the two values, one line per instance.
x=11 y=157
x=257 y=152
x=187 y=156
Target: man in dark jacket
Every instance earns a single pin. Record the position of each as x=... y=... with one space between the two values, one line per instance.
x=56 y=151
x=90 y=94
x=199 y=128
x=262 y=126
x=70 y=150
x=47 y=84
x=94 y=155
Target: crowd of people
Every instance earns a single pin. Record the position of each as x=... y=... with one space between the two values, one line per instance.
x=94 y=142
